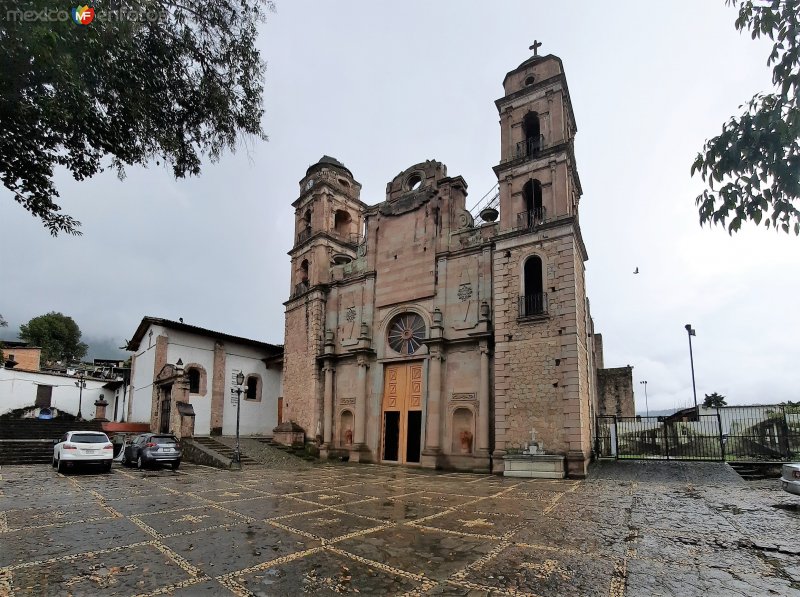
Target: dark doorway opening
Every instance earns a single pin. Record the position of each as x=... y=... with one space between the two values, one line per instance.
x=414 y=435
x=44 y=396
x=391 y=435
x=166 y=408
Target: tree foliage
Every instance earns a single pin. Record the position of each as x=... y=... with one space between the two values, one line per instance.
x=58 y=336
x=714 y=401
x=752 y=168
x=155 y=80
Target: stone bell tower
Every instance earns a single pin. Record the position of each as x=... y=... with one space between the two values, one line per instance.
x=543 y=352
x=328 y=231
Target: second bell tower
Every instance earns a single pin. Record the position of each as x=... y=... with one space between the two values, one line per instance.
x=543 y=348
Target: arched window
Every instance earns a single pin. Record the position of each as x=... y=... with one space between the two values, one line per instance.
x=534 y=210
x=406 y=332
x=194 y=381
x=196 y=376
x=301 y=283
x=304 y=271
x=533 y=133
x=252 y=387
x=533 y=301
x=307 y=218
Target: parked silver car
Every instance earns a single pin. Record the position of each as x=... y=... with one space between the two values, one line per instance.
x=790 y=478
x=150 y=448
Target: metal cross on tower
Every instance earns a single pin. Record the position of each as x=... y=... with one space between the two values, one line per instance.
x=535 y=47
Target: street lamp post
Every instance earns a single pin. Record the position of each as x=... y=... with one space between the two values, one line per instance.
x=647 y=408
x=81 y=383
x=690 y=330
x=237 y=453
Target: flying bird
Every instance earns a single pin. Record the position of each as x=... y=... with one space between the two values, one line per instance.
x=636 y=271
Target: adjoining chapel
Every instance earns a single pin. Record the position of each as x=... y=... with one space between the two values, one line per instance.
x=415 y=335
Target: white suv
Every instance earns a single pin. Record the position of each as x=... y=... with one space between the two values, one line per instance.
x=790 y=478
x=83 y=447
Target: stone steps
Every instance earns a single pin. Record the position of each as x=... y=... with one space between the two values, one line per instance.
x=26 y=451
x=756 y=471
x=222 y=449
x=43 y=429
x=297 y=452
x=30 y=441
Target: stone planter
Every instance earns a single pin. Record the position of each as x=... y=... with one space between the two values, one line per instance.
x=542 y=466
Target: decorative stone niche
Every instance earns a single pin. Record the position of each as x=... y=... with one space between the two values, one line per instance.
x=346 y=423
x=463 y=431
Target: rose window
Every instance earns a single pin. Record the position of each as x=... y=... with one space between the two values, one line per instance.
x=406 y=333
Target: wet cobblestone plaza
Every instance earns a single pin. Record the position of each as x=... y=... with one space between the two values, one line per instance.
x=632 y=528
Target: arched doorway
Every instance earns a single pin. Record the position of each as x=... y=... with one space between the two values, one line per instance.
x=401 y=412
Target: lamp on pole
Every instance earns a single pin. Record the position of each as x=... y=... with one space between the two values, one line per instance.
x=690 y=330
x=647 y=408
x=81 y=383
x=237 y=453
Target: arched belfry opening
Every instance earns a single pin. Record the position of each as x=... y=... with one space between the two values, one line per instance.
x=534 y=209
x=341 y=223
x=533 y=301
x=533 y=134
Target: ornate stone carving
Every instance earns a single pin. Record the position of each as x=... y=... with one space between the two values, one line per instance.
x=465 y=396
x=347 y=400
x=351 y=314
x=464 y=292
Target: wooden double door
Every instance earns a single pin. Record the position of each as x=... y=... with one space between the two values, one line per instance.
x=401 y=414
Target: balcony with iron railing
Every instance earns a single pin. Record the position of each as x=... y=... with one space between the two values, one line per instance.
x=533 y=304
x=529 y=147
x=348 y=238
x=300 y=288
x=528 y=220
x=304 y=235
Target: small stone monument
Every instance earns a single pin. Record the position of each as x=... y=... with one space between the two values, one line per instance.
x=534 y=462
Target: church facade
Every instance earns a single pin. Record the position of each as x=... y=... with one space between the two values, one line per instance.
x=416 y=335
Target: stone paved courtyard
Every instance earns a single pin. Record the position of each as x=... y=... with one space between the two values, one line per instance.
x=632 y=528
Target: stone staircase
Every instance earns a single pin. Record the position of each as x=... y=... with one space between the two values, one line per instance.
x=757 y=471
x=299 y=452
x=30 y=441
x=220 y=448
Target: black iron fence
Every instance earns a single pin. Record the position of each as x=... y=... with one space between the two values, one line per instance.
x=304 y=235
x=529 y=147
x=528 y=220
x=770 y=433
x=532 y=304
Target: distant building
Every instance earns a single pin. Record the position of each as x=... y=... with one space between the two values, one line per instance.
x=178 y=368
x=22 y=355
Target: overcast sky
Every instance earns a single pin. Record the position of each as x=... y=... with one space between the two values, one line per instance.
x=383 y=86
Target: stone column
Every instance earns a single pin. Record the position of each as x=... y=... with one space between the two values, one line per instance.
x=218 y=385
x=433 y=411
x=327 y=409
x=433 y=422
x=483 y=402
x=359 y=451
x=359 y=433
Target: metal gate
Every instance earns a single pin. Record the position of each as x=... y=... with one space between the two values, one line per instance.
x=770 y=433
x=166 y=411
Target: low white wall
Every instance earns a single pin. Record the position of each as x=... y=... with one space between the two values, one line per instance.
x=18 y=390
